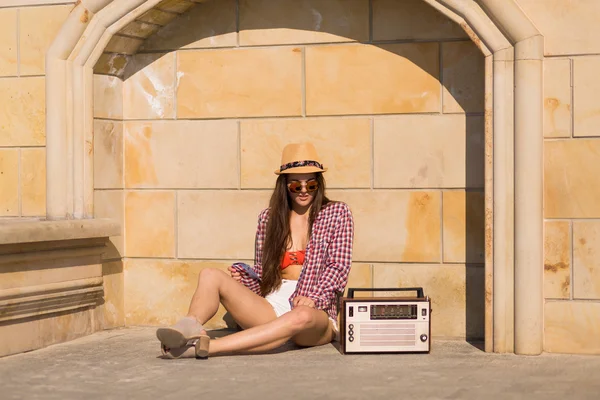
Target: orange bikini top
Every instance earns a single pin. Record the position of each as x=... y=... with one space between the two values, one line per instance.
x=293 y=258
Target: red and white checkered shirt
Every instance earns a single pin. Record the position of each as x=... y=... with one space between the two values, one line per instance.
x=327 y=261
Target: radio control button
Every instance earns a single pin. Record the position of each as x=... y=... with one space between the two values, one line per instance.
x=351 y=311
x=423 y=338
x=424 y=312
x=351 y=326
x=351 y=339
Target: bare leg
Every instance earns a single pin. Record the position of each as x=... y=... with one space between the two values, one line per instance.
x=246 y=307
x=305 y=325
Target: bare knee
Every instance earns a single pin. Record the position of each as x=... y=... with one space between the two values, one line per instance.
x=210 y=275
x=301 y=318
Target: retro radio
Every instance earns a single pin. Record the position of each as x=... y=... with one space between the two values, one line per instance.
x=385 y=324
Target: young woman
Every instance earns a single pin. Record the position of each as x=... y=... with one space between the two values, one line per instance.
x=303 y=252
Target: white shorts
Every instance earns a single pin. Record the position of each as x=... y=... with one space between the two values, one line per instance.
x=279 y=300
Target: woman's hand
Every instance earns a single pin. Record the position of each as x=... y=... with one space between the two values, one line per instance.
x=235 y=274
x=303 y=301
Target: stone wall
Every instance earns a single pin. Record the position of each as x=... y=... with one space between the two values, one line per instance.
x=571 y=172
x=190 y=129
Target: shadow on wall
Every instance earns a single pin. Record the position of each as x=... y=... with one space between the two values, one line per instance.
x=203 y=28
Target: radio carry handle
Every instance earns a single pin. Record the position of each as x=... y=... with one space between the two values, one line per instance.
x=419 y=290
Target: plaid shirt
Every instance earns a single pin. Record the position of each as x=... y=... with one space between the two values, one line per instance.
x=327 y=262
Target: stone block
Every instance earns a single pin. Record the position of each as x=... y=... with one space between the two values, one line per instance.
x=394 y=226
x=572 y=327
x=33 y=182
x=111 y=204
x=9 y=182
x=157 y=17
x=571 y=179
x=428 y=151
x=586 y=86
x=123 y=45
x=557 y=98
x=108 y=97
x=38 y=26
x=463 y=227
x=586 y=259
x=366 y=79
x=463 y=78
x=108 y=154
x=239 y=83
x=264 y=22
x=8 y=42
x=557 y=259
x=158 y=292
x=456 y=294
x=361 y=276
x=343 y=144
x=206 y=154
x=175 y=6
x=150 y=224
x=219 y=224
x=139 y=29
x=568 y=27
x=111 y=64
x=210 y=24
x=113 y=309
x=412 y=20
x=22 y=115
x=149 y=87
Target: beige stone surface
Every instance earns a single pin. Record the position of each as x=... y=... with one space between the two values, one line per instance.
x=32 y=231
x=150 y=224
x=557 y=98
x=123 y=45
x=8 y=42
x=33 y=182
x=361 y=276
x=218 y=224
x=149 y=87
x=108 y=97
x=209 y=24
x=411 y=20
x=423 y=151
x=113 y=308
x=111 y=64
x=239 y=83
x=571 y=178
x=457 y=310
x=586 y=259
x=572 y=327
x=158 y=292
x=463 y=77
x=111 y=204
x=586 y=86
x=344 y=146
x=22 y=115
x=108 y=154
x=366 y=79
x=46 y=270
x=9 y=182
x=38 y=26
x=139 y=29
x=175 y=6
x=557 y=259
x=397 y=226
x=182 y=154
x=157 y=17
x=463 y=227
x=568 y=27
x=265 y=22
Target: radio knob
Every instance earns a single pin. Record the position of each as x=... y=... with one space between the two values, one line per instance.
x=351 y=326
x=423 y=338
x=351 y=339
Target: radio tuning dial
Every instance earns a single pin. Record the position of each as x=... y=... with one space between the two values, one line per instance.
x=423 y=338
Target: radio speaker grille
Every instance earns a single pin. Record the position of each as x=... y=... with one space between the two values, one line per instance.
x=377 y=335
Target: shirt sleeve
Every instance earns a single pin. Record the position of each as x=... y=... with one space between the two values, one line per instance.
x=251 y=279
x=334 y=278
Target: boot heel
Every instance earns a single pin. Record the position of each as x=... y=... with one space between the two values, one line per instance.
x=202 y=345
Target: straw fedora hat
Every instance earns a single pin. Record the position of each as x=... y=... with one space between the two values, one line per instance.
x=300 y=158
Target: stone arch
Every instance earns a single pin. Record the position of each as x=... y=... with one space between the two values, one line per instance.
x=514 y=234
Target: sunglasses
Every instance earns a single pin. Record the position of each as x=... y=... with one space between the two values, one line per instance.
x=296 y=186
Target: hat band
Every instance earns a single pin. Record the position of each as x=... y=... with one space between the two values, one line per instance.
x=305 y=163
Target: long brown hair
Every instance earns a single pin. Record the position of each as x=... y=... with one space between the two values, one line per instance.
x=279 y=235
